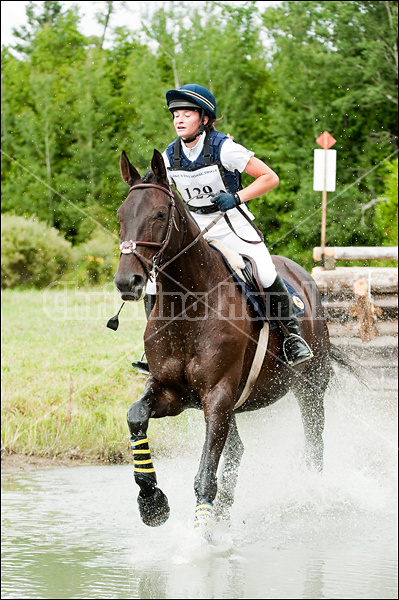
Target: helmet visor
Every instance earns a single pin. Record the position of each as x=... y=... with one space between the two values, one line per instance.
x=183 y=104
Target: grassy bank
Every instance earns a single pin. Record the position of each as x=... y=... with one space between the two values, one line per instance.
x=67 y=379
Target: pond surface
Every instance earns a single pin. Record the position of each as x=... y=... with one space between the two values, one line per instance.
x=76 y=533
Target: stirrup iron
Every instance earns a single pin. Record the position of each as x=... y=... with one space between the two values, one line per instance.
x=286 y=354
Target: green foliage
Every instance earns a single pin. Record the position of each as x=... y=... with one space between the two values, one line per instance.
x=386 y=212
x=281 y=76
x=33 y=254
x=95 y=261
x=334 y=69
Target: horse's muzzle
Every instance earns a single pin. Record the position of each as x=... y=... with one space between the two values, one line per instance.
x=131 y=287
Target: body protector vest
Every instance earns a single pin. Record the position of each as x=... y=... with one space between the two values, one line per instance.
x=204 y=176
x=197 y=180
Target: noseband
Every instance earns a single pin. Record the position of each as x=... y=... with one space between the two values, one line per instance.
x=129 y=247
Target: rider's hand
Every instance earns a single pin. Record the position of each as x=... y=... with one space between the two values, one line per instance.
x=226 y=201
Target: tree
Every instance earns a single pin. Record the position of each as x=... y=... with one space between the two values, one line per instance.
x=324 y=61
x=386 y=210
x=281 y=77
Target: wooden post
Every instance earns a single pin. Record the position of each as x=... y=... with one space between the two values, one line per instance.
x=364 y=310
x=325 y=140
x=324 y=210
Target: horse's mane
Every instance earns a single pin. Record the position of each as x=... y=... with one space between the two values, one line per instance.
x=150 y=177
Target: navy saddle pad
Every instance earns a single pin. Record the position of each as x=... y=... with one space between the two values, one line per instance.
x=251 y=293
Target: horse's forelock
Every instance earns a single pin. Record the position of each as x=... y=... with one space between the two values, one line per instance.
x=149 y=177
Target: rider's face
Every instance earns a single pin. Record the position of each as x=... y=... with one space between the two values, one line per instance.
x=186 y=122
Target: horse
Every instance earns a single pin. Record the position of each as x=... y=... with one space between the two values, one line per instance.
x=200 y=342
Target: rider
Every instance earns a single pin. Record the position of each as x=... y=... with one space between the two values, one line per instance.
x=205 y=166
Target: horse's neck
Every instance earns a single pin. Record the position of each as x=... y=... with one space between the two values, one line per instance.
x=191 y=270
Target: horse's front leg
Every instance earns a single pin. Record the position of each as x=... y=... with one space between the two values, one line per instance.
x=218 y=408
x=155 y=402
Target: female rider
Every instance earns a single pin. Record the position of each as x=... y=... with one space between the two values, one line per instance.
x=205 y=167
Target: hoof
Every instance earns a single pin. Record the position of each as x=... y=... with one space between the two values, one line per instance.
x=154 y=510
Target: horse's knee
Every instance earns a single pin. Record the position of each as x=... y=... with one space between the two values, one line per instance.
x=137 y=418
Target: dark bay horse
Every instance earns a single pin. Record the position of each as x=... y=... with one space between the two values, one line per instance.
x=200 y=341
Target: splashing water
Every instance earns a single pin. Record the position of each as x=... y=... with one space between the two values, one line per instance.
x=76 y=533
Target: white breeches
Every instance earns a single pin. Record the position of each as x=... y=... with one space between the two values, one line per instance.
x=266 y=269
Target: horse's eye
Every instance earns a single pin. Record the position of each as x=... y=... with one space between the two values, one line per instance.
x=161 y=215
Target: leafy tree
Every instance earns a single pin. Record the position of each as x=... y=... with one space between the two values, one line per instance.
x=38 y=18
x=386 y=212
x=38 y=135
x=325 y=78
x=280 y=77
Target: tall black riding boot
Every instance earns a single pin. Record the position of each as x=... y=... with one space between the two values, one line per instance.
x=295 y=349
x=149 y=302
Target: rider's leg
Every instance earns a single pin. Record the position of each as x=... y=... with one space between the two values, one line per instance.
x=282 y=310
x=281 y=307
x=149 y=302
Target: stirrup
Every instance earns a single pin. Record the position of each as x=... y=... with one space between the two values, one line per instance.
x=292 y=360
x=141 y=365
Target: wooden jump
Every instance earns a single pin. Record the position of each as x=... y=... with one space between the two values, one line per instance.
x=332 y=254
x=367 y=295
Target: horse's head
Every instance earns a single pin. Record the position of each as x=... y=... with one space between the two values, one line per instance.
x=147 y=220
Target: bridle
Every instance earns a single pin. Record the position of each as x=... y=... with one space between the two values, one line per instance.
x=129 y=246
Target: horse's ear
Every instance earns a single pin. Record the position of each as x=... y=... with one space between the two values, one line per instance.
x=128 y=172
x=158 y=167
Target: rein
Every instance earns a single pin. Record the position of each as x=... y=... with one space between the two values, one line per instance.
x=129 y=247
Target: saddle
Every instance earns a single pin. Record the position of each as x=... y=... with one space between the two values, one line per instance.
x=245 y=273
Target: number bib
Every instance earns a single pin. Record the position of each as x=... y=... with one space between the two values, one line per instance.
x=203 y=180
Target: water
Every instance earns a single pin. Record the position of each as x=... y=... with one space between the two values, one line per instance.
x=76 y=533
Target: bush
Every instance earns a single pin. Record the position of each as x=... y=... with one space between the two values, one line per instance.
x=96 y=260
x=33 y=254
x=386 y=213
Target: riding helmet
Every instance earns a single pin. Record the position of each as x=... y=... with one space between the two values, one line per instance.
x=192 y=96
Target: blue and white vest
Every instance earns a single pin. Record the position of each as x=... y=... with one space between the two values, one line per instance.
x=205 y=175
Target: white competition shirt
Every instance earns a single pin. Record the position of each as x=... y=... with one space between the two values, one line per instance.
x=233 y=157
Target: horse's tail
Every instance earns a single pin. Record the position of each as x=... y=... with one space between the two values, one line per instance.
x=340 y=356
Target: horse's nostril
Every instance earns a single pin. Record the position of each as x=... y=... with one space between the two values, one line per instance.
x=137 y=281
x=128 y=283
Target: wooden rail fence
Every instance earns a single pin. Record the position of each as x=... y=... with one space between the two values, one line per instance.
x=361 y=306
x=363 y=296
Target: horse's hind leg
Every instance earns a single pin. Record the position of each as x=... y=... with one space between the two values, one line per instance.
x=310 y=397
x=232 y=454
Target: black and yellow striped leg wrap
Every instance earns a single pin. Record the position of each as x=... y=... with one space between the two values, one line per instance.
x=143 y=467
x=153 y=504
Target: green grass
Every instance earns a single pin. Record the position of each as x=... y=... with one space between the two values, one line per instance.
x=67 y=379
